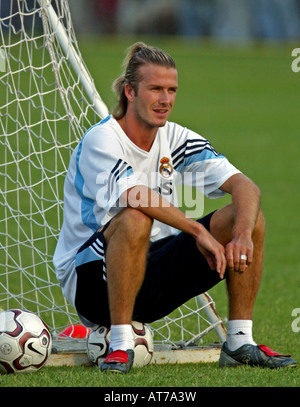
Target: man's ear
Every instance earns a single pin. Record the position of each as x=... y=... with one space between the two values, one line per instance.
x=129 y=92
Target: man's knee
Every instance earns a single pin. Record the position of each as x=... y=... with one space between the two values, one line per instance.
x=132 y=223
x=136 y=223
x=222 y=223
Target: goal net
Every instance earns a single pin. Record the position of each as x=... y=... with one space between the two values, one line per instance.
x=47 y=101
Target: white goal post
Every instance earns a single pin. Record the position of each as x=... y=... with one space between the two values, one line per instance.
x=47 y=101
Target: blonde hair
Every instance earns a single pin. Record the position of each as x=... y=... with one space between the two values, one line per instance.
x=138 y=55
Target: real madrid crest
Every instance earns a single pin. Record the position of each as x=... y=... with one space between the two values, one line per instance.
x=165 y=168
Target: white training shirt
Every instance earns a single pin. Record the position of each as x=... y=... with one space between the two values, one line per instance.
x=106 y=163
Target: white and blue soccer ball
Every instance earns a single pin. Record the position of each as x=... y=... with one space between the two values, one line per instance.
x=99 y=340
x=25 y=342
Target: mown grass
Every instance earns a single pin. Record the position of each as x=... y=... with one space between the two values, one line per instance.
x=185 y=375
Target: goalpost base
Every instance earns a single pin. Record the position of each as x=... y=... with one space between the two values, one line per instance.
x=193 y=354
x=73 y=353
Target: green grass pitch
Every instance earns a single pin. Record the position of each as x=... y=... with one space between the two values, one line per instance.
x=246 y=102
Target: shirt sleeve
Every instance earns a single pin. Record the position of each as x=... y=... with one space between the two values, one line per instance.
x=200 y=165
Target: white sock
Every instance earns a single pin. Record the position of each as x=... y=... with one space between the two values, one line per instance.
x=239 y=333
x=121 y=338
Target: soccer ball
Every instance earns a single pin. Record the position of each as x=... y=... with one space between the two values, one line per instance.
x=25 y=342
x=143 y=344
x=99 y=340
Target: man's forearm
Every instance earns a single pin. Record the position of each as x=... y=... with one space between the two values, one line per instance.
x=156 y=207
x=246 y=203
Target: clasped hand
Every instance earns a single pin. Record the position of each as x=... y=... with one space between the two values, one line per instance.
x=236 y=256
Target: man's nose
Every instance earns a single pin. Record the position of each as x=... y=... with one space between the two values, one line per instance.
x=164 y=97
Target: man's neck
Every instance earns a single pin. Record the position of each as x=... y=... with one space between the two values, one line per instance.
x=142 y=136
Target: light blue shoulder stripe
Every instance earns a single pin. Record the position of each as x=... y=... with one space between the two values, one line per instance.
x=105 y=119
x=204 y=155
x=87 y=205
